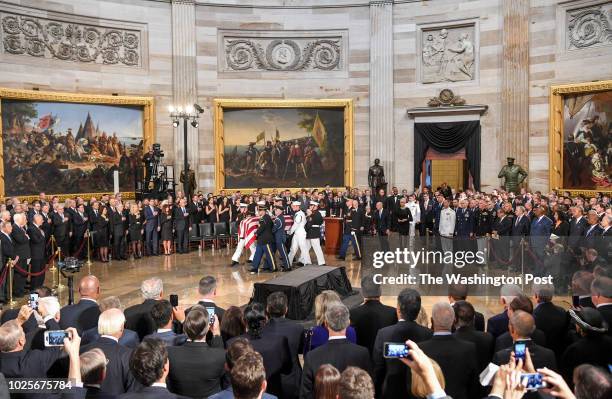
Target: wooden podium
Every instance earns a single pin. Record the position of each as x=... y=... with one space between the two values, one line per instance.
x=333 y=235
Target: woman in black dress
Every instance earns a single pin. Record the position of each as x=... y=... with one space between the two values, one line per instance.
x=211 y=211
x=224 y=211
x=403 y=217
x=166 y=227
x=101 y=236
x=135 y=227
x=561 y=227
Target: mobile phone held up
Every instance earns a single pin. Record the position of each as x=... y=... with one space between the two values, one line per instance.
x=33 y=300
x=533 y=381
x=396 y=350
x=520 y=349
x=211 y=314
x=55 y=337
x=174 y=300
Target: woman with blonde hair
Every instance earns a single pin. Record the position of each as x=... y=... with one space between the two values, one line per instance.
x=418 y=387
x=136 y=229
x=318 y=335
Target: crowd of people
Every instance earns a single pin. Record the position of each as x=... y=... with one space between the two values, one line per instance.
x=159 y=349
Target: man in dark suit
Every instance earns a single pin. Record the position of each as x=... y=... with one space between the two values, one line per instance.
x=601 y=295
x=38 y=241
x=276 y=308
x=182 y=225
x=578 y=226
x=196 y=368
x=129 y=338
x=338 y=351
x=593 y=231
x=464 y=330
x=151 y=228
x=550 y=318
x=498 y=324
x=83 y=315
x=93 y=372
x=450 y=351
x=150 y=366
x=80 y=225
x=21 y=242
x=459 y=292
x=389 y=374
x=520 y=302
x=502 y=228
x=138 y=317
x=61 y=230
x=8 y=253
x=163 y=317
x=382 y=223
x=427 y=213
x=207 y=289
x=371 y=315
x=521 y=325
x=119 y=379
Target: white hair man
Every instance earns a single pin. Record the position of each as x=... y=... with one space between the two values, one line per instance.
x=498 y=324
x=299 y=236
x=118 y=379
x=21 y=242
x=138 y=317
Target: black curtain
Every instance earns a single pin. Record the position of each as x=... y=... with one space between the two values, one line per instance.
x=448 y=137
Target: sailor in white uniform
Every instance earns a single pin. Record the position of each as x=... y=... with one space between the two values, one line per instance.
x=299 y=235
x=242 y=236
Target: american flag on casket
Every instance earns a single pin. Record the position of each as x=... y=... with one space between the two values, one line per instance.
x=248 y=227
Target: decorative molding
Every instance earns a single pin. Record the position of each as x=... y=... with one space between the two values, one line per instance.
x=66 y=39
x=445 y=98
x=287 y=51
x=457 y=109
x=581 y=88
x=447 y=52
x=589 y=27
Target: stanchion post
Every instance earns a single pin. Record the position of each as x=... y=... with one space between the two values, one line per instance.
x=88 y=254
x=53 y=269
x=60 y=286
x=11 y=303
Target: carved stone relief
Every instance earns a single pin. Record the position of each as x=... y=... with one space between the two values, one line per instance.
x=589 y=27
x=304 y=54
x=448 y=54
x=55 y=39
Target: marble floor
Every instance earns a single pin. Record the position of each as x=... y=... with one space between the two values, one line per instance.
x=181 y=273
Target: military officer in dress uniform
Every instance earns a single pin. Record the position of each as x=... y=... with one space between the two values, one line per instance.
x=464 y=226
x=484 y=224
x=265 y=238
x=314 y=221
x=242 y=214
x=298 y=241
x=352 y=232
x=280 y=236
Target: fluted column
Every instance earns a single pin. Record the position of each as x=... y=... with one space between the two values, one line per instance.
x=514 y=135
x=184 y=87
x=382 y=140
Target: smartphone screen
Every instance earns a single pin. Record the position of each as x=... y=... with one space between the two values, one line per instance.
x=533 y=381
x=174 y=300
x=519 y=350
x=396 y=350
x=211 y=314
x=55 y=337
x=33 y=302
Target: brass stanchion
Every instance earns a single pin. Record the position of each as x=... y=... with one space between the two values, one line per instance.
x=53 y=269
x=88 y=263
x=11 y=303
x=60 y=286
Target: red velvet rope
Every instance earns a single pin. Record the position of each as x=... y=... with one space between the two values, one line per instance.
x=36 y=274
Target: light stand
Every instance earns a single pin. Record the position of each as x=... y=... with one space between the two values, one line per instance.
x=185 y=114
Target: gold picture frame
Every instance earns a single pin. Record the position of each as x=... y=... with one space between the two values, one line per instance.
x=148 y=123
x=556 y=131
x=222 y=104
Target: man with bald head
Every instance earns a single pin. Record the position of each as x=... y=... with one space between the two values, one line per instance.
x=83 y=315
x=521 y=326
x=21 y=242
x=38 y=242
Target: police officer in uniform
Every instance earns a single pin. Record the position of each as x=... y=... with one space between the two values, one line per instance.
x=314 y=221
x=352 y=232
x=280 y=236
x=265 y=238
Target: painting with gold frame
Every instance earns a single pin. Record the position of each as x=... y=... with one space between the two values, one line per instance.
x=278 y=144
x=64 y=143
x=580 y=152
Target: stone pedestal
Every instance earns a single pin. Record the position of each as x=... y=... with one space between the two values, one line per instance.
x=382 y=140
x=184 y=75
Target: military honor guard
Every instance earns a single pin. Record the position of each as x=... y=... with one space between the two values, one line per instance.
x=314 y=221
x=265 y=238
x=242 y=214
x=298 y=241
x=465 y=224
x=280 y=236
x=352 y=231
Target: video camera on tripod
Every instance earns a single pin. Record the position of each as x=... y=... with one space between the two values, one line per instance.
x=158 y=154
x=69 y=267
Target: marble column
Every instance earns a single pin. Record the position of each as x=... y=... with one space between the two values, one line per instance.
x=184 y=74
x=382 y=140
x=514 y=135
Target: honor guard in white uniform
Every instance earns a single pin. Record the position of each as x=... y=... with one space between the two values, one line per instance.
x=314 y=221
x=243 y=214
x=415 y=210
x=299 y=235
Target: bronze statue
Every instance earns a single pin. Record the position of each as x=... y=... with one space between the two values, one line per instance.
x=513 y=175
x=189 y=184
x=376 y=177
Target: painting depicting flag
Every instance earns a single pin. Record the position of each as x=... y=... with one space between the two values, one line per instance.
x=261 y=137
x=277 y=134
x=320 y=134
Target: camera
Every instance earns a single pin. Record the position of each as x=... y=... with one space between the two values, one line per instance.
x=33 y=301
x=533 y=381
x=396 y=350
x=70 y=265
x=55 y=337
x=211 y=314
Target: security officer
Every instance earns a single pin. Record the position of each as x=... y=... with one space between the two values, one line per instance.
x=314 y=220
x=484 y=225
x=352 y=232
x=464 y=226
x=265 y=238
x=280 y=236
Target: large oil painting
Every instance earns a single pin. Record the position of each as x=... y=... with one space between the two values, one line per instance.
x=63 y=147
x=283 y=144
x=582 y=120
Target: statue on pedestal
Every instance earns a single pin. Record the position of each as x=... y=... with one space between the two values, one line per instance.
x=189 y=182
x=376 y=177
x=513 y=175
